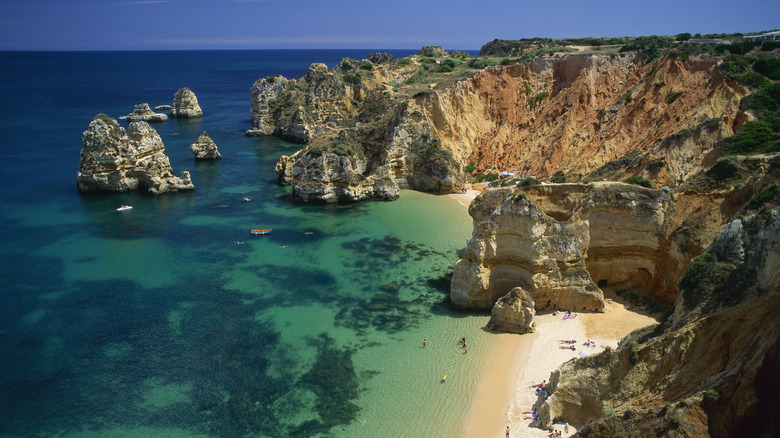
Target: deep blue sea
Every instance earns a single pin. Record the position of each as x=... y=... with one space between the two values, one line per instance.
x=154 y=322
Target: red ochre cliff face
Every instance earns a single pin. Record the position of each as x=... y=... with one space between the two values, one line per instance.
x=576 y=113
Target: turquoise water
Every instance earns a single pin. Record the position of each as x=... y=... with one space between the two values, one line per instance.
x=156 y=322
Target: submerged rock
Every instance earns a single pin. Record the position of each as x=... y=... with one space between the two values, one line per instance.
x=113 y=160
x=185 y=104
x=204 y=148
x=513 y=313
x=142 y=113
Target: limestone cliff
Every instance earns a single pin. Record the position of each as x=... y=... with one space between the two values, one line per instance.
x=709 y=370
x=185 y=105
x=113 y=160
x=588 y=117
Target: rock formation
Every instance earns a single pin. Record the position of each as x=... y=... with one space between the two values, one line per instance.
x=204 y=148
x=142 y=113
x=709 y=370
x=113 y=160
x=163 y=108
x=513 y=313
x=588 y=117
x=185 y=105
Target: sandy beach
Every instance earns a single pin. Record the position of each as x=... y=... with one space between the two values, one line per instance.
x=520 y=361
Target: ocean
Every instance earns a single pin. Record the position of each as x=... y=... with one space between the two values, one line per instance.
x=156 y=322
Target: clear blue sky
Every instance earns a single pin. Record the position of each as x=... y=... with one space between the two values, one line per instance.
x=399 y=24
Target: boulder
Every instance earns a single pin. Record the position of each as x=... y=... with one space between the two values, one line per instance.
x=163 y=108
x=204 y=148
x=431 y=51
x=513 y=313
x=185 y=104
x=380 y=58
x=142 y=113
x=115 y=160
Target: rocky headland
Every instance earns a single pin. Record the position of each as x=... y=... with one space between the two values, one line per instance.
x=185 y=105
x=430 y=122
x=115 y=160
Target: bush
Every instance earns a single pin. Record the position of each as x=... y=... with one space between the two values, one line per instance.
x=755 y=136
x=404 y=61
x=769 y=67
x=528 y=182
x=765 y=196
x=770 y=45
x=711 y=395
x=366 y=66
x=753 y=80
x=534 y=101
x=675 y=420
x=722 y=170
x=734 y=66
x=428 y=61
x=351 y=78
x=628 y=414
x=559 y=177
x=444 y=68
x=421 y=93
x=469 y=168
x=672 y=96
x=481 y=63
x=639 y=181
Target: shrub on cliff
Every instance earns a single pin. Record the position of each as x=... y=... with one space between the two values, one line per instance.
x=639 y=181
x=754 y=137
x=353 y=78
x=769 y=67
x=723 y=170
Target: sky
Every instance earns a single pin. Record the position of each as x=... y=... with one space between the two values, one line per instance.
x=353 y=24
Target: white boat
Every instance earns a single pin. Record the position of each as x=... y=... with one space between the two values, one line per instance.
x=124 y=207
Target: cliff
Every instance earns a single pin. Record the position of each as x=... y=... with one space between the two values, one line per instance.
x=709 y=370
x=115 y=160
x=584 y=117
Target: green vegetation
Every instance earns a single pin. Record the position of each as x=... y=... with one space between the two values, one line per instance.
x=675 y=420
x=629 y=414
x=672 y=96
x=765 y=196
x=534 y=101
x=769 y=45
x=638 y=180
x=480 y=63
x=352 y=78
x=753 y=80
x=559 y=177
x=711 y=395
x=487 y=177
x=404 y=61
x=530 y=181
x=469 y=168
x=723 y=170
x=769 y=67
x=755 y=136
x=366 y=66
x=421 y=93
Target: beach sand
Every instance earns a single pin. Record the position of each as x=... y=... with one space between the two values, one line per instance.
x=506 y=393
x=519 y=361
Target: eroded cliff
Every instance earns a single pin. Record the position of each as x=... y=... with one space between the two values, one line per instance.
x=583 y=116
x=709 y=370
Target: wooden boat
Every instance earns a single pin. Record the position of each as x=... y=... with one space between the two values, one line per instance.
x=124 y=207
x=260 y=230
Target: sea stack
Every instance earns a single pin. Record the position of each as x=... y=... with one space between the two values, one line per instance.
x=514 y=312
x=113 y=160
x=142 y=113
x=205 y=149
x=185 y=105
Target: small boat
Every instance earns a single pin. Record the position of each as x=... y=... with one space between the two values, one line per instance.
x=246 y=199
x=260 y=230
x=124 y=207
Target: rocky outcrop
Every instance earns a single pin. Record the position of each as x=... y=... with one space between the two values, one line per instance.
x=185 y=105
x=204 y=148
x=163 y=108
x=380 y=58
x=334 y=178
x=587 y=117
x=142 y=113
x=709 y=370
x=115 y=160
x=521 y=246
x=513 y=313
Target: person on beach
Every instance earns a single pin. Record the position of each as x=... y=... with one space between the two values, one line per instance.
x=507 y=432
